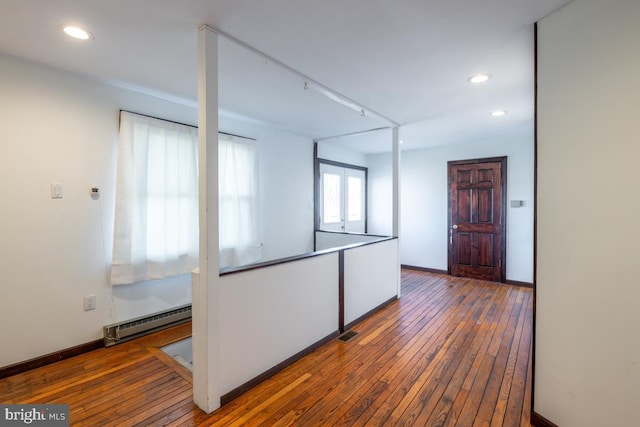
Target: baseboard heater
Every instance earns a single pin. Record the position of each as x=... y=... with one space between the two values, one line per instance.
x=134 y=328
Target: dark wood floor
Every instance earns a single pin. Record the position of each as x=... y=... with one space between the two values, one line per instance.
x=450 y=352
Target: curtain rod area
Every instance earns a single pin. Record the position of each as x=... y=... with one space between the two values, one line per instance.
x=184 y=124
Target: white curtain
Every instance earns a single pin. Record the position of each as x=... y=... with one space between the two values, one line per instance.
x=156 y=216
x=239 y=197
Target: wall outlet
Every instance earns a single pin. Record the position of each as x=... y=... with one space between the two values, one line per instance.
x=89 y=302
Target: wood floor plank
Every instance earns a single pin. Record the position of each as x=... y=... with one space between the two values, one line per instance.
x=490 y=396
x=432 y=392
x=508 y=378
x=171 y=414
x=517 y=400
x=478 y=383
x=240 y=421
x=450 y=352
x=497 y=309
x=120 y=409
x=436 y=412
x=153 y=408
x=443 y=354
x=100 y=397
x=111 y=399
x=406 y=371
x=525 y=418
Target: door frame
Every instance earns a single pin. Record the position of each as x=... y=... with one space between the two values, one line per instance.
x=503 y=209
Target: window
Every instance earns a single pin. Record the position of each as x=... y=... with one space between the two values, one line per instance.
x=239 y=197
x=156 y=217
x=355 y=191
x=332 y=212
x=342 y=192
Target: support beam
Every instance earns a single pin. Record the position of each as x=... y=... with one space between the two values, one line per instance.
x=396 y=192
x=206 y=284
x=313 y=84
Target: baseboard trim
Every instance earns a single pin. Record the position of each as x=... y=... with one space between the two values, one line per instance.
x=538 y=420
x=47 y=359
x=370 y=312
x=518 y=283
x=435 y=270
x=425 y=269
x=228 y=397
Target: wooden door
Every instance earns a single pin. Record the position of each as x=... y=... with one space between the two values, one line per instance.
x=477 y=220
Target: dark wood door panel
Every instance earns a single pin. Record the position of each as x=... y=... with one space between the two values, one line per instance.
x=479 y=273
x=486 y=256
x=465 y=242
x=475 y=228
x=463 y=176
x=485 y=205
x=486 y=175
x=464 y=213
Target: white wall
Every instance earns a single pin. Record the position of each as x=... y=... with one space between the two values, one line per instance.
x=61 y=127
x=587 y=345
x=371 y=275
x=270 y=314
x=380 y=197
x=332 y=150
x=424 y=233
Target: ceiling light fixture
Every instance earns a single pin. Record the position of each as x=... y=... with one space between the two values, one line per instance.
x=498 y=113
x=479 y=78
x=77 y=32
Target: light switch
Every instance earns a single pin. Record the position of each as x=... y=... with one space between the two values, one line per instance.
x=56 y=191
x=90 y=302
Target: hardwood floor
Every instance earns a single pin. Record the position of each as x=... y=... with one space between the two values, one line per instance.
x=450 y=352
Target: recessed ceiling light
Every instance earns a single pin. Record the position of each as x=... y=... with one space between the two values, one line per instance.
x=77 y=32
x=479 y=78
x=498 y=113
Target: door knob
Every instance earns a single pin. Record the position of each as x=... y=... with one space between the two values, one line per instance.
x=455 y=227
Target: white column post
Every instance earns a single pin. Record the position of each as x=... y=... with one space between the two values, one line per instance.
x=206 y=284
x=396 y=193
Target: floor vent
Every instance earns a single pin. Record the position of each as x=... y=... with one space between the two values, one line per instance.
x=347 y=336
x=134 y=328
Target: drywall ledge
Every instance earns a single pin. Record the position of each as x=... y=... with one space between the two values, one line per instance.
x=232 y=270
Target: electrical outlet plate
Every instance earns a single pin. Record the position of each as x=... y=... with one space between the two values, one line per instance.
x=89 y=302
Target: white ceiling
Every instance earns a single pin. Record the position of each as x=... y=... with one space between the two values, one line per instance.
x=407 y=60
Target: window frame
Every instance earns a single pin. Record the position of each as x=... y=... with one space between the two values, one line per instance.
x=317 y=221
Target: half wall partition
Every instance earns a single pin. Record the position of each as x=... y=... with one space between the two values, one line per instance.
x=250 y=321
